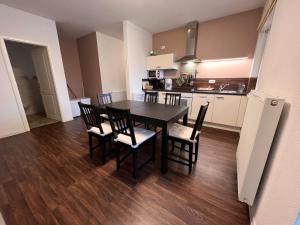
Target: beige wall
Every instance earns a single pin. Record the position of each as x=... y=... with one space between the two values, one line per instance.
x=278 y=200
x=174 y=41
x=227 y=37
x=90 y=68
x=70 y=57
x=112 y=66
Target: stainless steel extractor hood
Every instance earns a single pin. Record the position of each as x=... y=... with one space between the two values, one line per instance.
x=191 y=43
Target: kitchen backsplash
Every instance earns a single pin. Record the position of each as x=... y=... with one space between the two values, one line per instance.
x=250 y=83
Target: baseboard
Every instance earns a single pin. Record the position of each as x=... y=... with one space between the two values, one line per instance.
x=12 y=134
x=252 y=221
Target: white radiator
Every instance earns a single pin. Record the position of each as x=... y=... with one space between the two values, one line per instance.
x=259 y=126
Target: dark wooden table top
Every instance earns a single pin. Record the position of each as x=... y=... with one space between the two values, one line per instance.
x=156 y=111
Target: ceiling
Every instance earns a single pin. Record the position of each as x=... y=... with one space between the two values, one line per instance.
x=76 y=18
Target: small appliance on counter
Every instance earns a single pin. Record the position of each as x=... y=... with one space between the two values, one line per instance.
x=156 y=74
x=146 y=85
x=149 y=84
x=168 y=84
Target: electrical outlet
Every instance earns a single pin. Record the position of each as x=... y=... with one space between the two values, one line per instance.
x=211 y=81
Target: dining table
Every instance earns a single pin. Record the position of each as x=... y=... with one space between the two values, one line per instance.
x=160 y=115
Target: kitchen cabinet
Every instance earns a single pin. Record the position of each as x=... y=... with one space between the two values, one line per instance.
x=202 y=99
x=242 y=110
x=226 y=109
x=162 y=62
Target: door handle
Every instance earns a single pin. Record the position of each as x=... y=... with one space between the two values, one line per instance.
x=219 y=97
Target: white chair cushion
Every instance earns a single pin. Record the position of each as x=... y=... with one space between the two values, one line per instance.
x=104 y=116
x=105 y=127
x=182 y=132
x=141 y=135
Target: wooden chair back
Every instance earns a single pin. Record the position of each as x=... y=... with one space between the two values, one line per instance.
x=104 y=99
x=121 y=123
x=91 y=116
x=199 y=121
x=173 y=98
x=151 y=96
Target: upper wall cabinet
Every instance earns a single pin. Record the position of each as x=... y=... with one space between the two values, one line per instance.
x=161 y=62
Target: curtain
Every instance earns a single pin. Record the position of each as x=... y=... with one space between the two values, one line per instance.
x=270 y=4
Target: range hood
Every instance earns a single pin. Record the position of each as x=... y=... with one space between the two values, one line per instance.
x=191 y=43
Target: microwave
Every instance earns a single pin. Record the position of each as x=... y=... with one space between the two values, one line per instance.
x=157 y=74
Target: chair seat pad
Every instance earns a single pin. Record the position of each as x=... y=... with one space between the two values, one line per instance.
x=104 y=116
x=105 y=127
x=141 y=135
x=181 y=132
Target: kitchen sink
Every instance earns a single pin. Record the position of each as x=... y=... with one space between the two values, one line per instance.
x=228 y=91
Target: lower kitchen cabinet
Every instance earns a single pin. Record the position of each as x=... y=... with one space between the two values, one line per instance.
x=202 y=99
x=223 y=110
x=226 y=109
x=242 y=110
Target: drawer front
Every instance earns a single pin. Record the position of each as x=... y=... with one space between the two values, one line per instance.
x=226 y=109
x=202 y=99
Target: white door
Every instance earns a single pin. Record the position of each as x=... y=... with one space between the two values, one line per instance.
x=226 y=109
x=202 y=99
x=44 y=75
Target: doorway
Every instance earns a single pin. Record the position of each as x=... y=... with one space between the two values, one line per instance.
x=32 y=72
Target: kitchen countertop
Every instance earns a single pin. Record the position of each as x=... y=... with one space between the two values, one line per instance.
x=215 y=92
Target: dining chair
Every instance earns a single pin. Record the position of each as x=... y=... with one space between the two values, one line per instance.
x=173 y=98
x=103 y=99
x=101 y=131
x=187 y=136
x=151 y=96
x=129 y=137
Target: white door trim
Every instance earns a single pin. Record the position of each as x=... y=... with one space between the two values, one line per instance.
x=14 y=85
x=13 y=79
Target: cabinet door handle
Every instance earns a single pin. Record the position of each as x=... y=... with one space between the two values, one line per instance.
x=158 y=67
x=203 y=96
x=219 y=97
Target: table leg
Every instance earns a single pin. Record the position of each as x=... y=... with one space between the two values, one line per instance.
x=185 y=119
x=164 y=149
x=185 y=123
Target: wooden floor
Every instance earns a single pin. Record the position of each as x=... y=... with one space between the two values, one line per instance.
x=46 y=177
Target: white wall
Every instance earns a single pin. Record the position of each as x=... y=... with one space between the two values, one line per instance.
x=20 y=25
x=137 y=43
x=278 y=200
x=112 y=66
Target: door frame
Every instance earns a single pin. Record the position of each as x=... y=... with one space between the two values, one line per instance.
x=13 y=81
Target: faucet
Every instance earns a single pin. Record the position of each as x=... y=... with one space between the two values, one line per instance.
x=223 y=86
